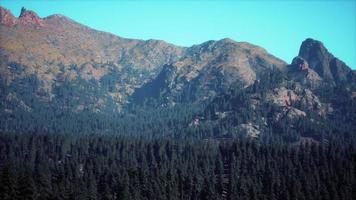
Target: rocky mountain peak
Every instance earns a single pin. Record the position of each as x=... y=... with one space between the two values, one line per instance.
x=227 y=40
x=309 y=45
x=328 y=67
x=317 y=56
x=29 y=17
x=6 y=17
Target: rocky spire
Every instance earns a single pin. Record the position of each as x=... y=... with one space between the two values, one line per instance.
x=317 y=57
x=328 y=67
x=29 y=17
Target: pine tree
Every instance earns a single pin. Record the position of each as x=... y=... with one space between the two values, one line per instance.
x=207 y=192
x=26 y=187
x=7 y=183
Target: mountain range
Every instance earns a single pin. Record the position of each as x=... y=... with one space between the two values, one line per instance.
x=54 y=67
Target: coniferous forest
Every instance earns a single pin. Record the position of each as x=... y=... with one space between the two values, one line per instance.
x=59 y=166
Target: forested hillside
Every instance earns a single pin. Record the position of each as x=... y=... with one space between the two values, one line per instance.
x=42 y=166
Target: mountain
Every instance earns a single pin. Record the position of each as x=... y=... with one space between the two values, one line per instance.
x=328 y=67
x=57 y=75
x=57 y=50
x=210 y=68
x=250 y=92
x=57 y=39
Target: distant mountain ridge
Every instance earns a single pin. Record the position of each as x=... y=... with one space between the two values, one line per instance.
x=56 y=66
x=212 y=67
x=57 y=43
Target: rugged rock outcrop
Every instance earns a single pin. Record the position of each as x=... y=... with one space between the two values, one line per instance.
x=210 y=68
x=300 y=71
x=6 y=17
x=29 y=17
x=26 y=17
x=300 y=64
x=328 y=67
x=249 y=129
x=296 y=103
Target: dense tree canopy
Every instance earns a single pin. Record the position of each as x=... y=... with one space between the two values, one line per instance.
x=57 y=166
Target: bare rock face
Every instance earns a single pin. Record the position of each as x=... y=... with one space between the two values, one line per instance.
x=289 y=112
x=29 y=17
x=300 y=71
x=284 y=101
x=300 y=63
x=6 y=17
x=283 y=97
x=249 y=129
x=317 y=56
x=329 y=68
x=296 y=103
x=309 y=100
x=340 y=71
x=211 y=68
x=26 y=17
x=294 y=112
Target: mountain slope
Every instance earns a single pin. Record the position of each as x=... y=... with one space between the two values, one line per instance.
x=57 y=50
x=299 y=102
x=57 y=75
x=58 y=39
x=208 y=69
x=248 y=91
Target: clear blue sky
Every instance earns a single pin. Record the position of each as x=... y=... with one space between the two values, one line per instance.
x=278 y=26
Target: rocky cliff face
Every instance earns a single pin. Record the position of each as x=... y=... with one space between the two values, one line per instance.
x=328 y=67
x=300 y=71
x=6 y=17
x=211 y=68
x=29 y=17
